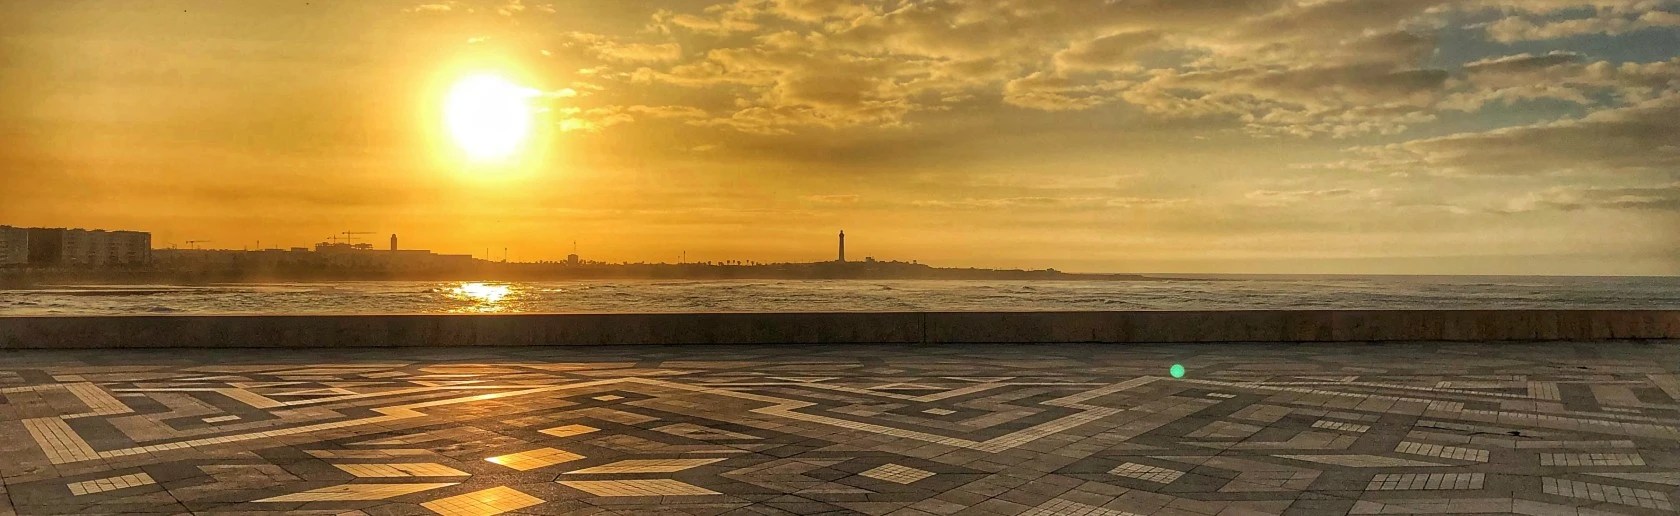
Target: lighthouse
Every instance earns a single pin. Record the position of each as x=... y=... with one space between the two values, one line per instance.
x=842 y=245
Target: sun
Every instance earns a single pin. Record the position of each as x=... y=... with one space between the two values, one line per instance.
x=488 y=116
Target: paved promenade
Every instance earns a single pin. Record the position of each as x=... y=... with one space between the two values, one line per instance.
x=1552 y=428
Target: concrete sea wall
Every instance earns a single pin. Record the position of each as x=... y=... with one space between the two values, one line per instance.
x=235 y=331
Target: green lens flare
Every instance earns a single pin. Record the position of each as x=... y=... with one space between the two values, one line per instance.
x=1177 y=370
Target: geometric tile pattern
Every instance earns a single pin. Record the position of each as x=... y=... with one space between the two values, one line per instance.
x=1591 y=459
x=533 y=459
x=1355 y=460
x=495 y=500
x=1146 y=473
x=646 y=466
x=1060 y=507
x=1441 y=451
x=1395 y=428
x=1606 y=493
x=1339 y=425
x=569 y=430
x=1414 y=481
x=354 y=492
x=651 y=487
x=896 y=473
x=110 y=484
x=418 y=469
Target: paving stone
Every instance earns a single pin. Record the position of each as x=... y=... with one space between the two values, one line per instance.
x=1543 y=428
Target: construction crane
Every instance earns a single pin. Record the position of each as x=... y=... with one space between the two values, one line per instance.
x=194 y=243
x=350 y=236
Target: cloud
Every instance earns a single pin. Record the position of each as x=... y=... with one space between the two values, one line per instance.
x=1635 y=138
x=1292 y=197
x=1339 y=68
x=505 y=8
x=818 y=10
x=1606 y=22
x=430 y=8
x=1114 y=51
x=1560 y=75
x=614 y=50
x=1521 y=63
x=832 y=199
x=719 y=19
x=1340 y=100
x=1664 y=197
x=1051 y=92
x=1051 y=203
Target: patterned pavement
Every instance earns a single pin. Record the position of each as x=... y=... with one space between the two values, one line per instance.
x=1556 y=428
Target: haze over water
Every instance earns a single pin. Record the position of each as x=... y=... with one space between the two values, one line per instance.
x=1224 y=293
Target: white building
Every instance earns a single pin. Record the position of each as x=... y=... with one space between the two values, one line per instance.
x=73 y=247
x=100 y=247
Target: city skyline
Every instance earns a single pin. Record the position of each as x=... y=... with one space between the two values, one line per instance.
x=1249 y=136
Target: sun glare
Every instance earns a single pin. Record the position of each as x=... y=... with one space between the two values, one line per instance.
x=484 y=297
x=488 y=116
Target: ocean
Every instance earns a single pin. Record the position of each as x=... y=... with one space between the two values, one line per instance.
x=1177 y=293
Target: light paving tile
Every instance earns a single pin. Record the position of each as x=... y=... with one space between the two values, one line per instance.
x=647 y=466
x=896 y=473
x=61 y=443
x=1606 y=493
x=533 y=459
x=1061 y=507
x=1339 y=425
x=1361 y=461
x=1043 y=431
x=1146 y=473
x=110 y=484
x=648 y=487
x=1271 y=480
x=399 y=470
x=355 y=492
x=569 y=430
x=939 y=411
x=1441 y=451
x=1426 y=481
x=99 y=402
x=387 y=453
x=1591 y=459
x=495 y=500
x=1656 y=477
x=703 y=433
x=609 y=397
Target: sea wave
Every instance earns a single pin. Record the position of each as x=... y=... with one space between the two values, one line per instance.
x=1353 y=292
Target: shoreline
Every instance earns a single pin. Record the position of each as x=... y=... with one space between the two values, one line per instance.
x=768 y=328
x=18 y=279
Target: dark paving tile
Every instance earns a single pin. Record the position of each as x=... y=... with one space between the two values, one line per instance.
x=846 y=430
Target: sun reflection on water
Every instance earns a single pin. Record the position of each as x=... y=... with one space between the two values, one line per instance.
x=485 y=297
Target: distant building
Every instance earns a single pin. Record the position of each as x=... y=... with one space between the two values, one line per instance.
x=842 y=246
x=324 y=256
x=14 y=246
x=393 y=241
x=572 y=259
x=52 y=247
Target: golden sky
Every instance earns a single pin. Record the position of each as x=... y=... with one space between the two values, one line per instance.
x=1401 y=136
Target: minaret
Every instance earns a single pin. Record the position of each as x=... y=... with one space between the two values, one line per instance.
x=842 y=245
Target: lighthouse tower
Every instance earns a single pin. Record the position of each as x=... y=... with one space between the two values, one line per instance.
x=842 y=245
